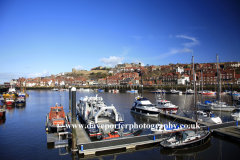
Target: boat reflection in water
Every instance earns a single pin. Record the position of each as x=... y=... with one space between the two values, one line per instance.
x=184 y=153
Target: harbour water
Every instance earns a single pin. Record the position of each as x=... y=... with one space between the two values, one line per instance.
x=23 y=133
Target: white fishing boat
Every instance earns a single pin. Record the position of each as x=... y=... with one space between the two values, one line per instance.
x=100 y=118
x=144 y=107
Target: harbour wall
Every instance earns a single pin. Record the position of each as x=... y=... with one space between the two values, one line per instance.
x=123 y=88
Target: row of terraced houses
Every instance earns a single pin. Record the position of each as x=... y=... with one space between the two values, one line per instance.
x=133 y=74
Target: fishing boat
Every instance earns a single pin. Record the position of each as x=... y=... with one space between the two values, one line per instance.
x=55 y=89
x=166 y=106
x=22 y=95
x=20 y=101
x=100 y=118
x=144 y=107
x=10 y=101
x=56 y=119
x=11 y=93
x=236 y=115
x=186 y=139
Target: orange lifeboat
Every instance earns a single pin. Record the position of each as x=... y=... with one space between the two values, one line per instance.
x=56 y=119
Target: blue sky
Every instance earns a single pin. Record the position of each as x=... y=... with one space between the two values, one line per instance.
x=40 y=38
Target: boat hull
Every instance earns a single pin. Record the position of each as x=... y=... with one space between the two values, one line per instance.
x=2 y=114
x=145 y=112
x=208 y=93
x=9 y=103
x=169 y=110
x=215 y=108
x=194 y=143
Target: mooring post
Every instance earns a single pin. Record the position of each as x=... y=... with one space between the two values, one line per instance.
x=70 y=97
x=74 y=140
x=73 y=101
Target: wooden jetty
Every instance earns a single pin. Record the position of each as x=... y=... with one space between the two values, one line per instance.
x=81 y=135
x=232 y=132
x=118 y=143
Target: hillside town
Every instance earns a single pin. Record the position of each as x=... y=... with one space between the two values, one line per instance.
x=135 y=74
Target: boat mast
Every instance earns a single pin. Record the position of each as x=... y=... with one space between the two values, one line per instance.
x=195 y=91
x=218 y=89
x=193 y=80
x=219 y=86
x=202 y=85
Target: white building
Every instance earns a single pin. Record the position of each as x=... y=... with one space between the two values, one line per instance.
x=180 y=70
x=183 y=79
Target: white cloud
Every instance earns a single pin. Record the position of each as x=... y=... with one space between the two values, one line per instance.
x=78 y=67
x=45 y=73
x=174 y=51
x=193 y=43
x=112 y=61
x=138 y=38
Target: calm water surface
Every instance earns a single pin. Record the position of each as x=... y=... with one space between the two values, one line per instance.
x=23 y=133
